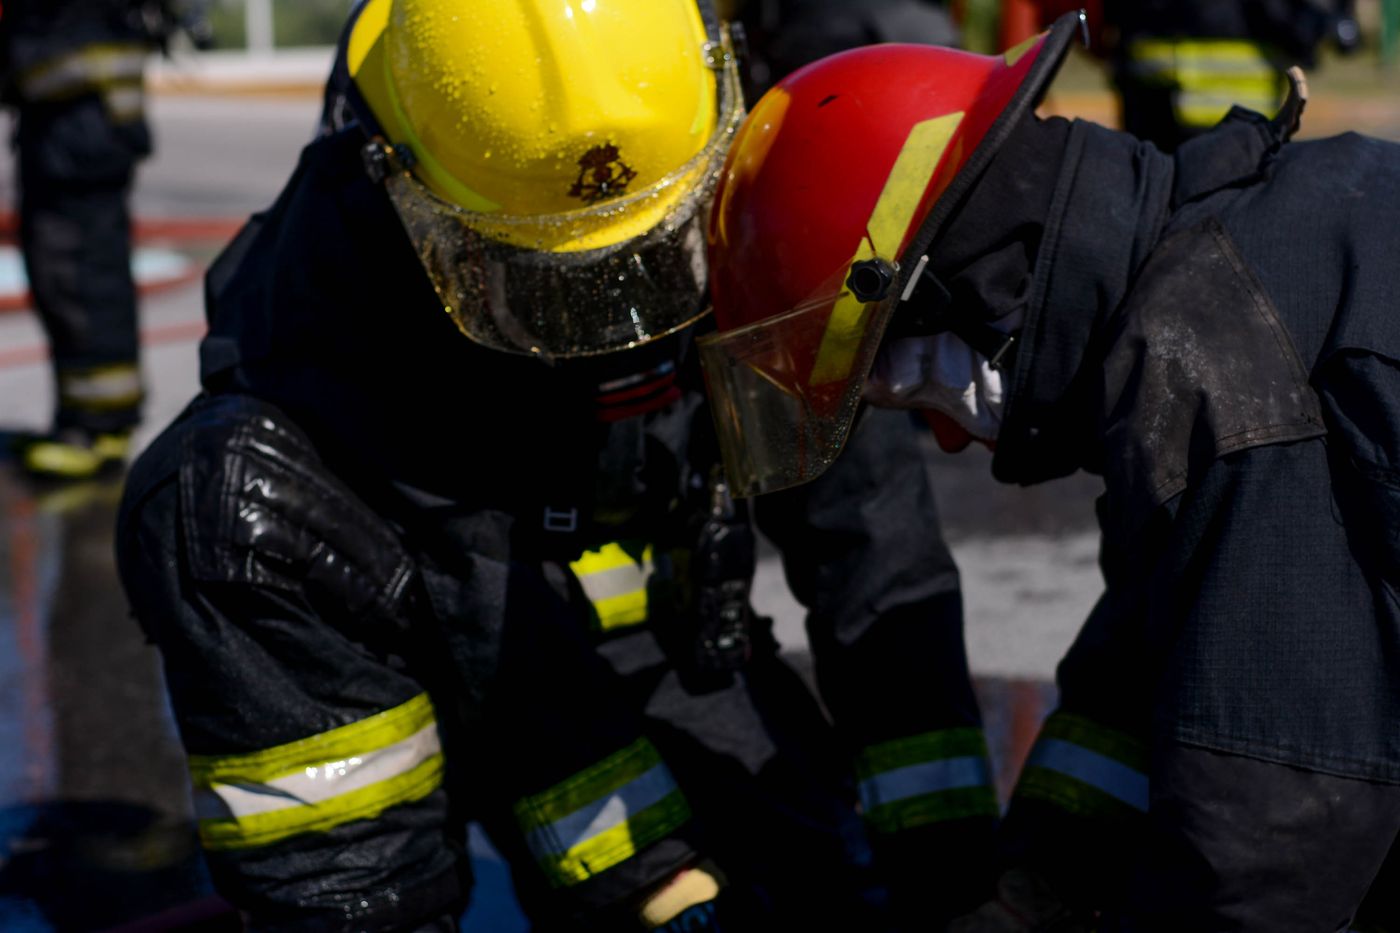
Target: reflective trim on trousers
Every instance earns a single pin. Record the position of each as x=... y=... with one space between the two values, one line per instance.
x=1209 y=76
x=614 y=578
x=100 y=388
x=602 y=816
x=315 y=784
x=1086 y=769
x=925 y=779
x=85 y=70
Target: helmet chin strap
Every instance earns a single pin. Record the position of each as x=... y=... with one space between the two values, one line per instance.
x=926 y=308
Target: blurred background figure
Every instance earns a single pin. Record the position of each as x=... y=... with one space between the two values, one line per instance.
x=74 y=72
x=784 y=35
x=1180 y=65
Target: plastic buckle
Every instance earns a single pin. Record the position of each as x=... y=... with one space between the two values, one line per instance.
x=560 y=521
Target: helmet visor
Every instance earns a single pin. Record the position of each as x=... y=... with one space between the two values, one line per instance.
x=522 y=284
x=785 y=390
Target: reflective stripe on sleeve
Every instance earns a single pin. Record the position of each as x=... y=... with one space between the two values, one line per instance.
x=928 y=778
x=602 y=816
x=1086 y=769
x=614 y=578
x=315 y=784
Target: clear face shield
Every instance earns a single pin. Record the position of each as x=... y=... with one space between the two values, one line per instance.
x=522 y=284
x=786 y=390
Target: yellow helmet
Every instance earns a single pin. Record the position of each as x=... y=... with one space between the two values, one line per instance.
x=533 y=108
x=552 y=161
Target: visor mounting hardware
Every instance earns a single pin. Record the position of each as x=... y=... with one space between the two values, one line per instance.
x=716 y=54
x=382 y=159
x=1004 y=355
x=870 y=279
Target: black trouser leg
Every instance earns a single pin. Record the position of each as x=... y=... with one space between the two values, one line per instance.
x=1240 y=844
x=77 y=251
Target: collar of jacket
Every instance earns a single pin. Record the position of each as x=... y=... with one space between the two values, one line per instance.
x=1111 y=200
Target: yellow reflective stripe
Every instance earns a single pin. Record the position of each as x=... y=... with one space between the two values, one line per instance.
x=100 y=388
x=619 y=843
x=1086 y=769
x=1210 y=75
x=587 y=786
x=927 y=778
x=358 y=738
x=91 y=68
x=1014 y=54
x=602 y=815
x=260 y=829
x=889 y=223
x=621 y=611
x=1171 y=60
x=614 y=578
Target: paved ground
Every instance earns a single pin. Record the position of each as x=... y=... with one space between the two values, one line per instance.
x=92 y=790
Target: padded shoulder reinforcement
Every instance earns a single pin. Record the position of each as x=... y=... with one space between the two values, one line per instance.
x=258 y=506
x=1199 y=366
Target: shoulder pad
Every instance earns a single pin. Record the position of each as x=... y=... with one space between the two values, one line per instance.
x=258 y=506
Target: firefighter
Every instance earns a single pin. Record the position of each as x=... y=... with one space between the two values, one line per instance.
x=74 y=73
x=1213 y=332
x=445 y=535
x=1180 y=65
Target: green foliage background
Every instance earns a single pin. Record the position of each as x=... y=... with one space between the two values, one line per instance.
x=294 y=22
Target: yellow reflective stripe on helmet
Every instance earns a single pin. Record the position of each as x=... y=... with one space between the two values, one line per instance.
x=315 y=784
x=615 y=582
x=1086 y=769
x=1017 y=52
x=885 y=231
x=928 y=778
x=603 y=815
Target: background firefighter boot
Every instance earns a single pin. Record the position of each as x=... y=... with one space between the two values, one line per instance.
x=74 y=454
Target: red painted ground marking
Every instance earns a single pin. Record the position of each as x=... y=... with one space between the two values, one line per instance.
x=178 y=230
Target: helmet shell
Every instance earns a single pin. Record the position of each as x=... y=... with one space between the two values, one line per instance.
x=528 y=108
x=815 y=156
x=839 y=180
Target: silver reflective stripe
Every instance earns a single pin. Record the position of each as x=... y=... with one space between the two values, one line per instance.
x=619 y=581
x=118 y=382
x=125 y=103
x=318 y=783
x=1114 y=778
x=930 y=777
x=598 y=817
x=83 y=70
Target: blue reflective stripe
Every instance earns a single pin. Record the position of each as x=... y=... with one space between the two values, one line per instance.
x=602 y=815
x=929 y=777
x=1099 y=771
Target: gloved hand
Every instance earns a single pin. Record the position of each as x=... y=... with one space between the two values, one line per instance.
x=686 y=904
x=942 y=373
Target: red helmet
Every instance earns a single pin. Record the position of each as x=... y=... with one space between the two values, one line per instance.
x=836 y=184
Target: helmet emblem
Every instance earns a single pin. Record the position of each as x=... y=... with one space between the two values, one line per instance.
x=601 y=174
